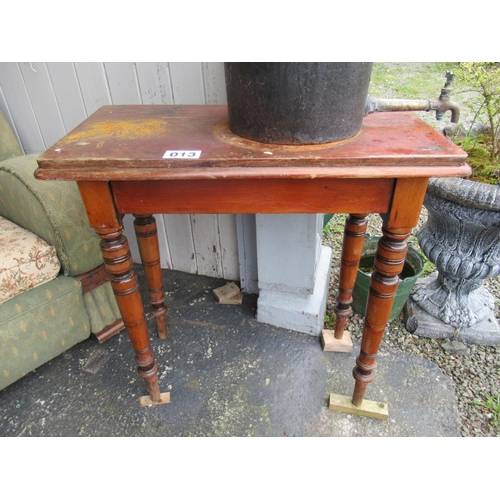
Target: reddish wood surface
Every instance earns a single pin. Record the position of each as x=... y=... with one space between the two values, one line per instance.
x=389 y=261
x=119 y=265
x=352 y=248
x=110 y=330
x=147 y=241
x=99 y=205
x=128 y=142
x=93 y=278
x=116 y=156
x=238 y=196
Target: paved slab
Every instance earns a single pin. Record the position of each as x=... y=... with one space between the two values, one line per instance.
x=228 y=375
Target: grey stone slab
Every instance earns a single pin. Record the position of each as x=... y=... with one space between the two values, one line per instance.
x=228 y=375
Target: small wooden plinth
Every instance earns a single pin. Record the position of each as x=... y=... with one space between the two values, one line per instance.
x=371 y=409
x=331 y=344
x=147 y=401
x=228 y=294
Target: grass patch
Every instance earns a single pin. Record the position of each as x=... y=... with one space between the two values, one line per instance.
x=483 y=168
x=408 y=80
x=492 y=405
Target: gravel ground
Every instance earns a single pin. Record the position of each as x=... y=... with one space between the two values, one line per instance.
x=476 y=374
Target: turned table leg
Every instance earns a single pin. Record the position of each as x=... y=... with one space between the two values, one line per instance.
x=389 y=262
x=147 y=240
x=352 y=248
x=118 y=263
x=115 y=250
x=407 y=200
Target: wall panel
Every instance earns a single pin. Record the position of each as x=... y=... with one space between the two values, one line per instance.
x=154 y=83
x=187 y=83
x=123 y=83
x=20 y=110
x=68 y=94
x=44 y=101
x=93 y=85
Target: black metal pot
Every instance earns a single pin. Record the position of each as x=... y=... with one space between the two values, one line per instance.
x=296 y=103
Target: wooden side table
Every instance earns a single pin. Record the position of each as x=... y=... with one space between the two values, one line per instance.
x=147 y=159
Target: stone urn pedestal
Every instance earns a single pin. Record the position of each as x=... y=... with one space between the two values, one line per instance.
x=462 y=238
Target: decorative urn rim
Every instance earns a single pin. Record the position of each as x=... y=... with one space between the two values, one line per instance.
x=467 y=192
x=462 y=238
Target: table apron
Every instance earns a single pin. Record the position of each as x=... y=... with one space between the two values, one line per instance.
x=239 y=196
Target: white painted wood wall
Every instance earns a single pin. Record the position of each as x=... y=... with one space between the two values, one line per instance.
x=43 y=101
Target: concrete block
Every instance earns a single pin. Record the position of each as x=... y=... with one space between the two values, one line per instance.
x=288 y=248
x=300 y=312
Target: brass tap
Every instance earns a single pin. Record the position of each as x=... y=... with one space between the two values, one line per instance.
x=440 y=106
x=444 y=103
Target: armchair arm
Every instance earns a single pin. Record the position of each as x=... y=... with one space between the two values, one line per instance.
x=51 y=209
x=9 y=145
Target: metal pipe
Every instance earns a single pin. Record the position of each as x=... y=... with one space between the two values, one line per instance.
x=440 y=106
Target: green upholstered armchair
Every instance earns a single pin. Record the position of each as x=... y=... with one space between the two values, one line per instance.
x=40 y=320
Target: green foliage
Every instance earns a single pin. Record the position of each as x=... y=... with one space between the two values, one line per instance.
x=492 y=404
x=335 y=226
x=483 y=80
x=479 y=150
x=428 y=268
x=329 y=320
x=476 y=86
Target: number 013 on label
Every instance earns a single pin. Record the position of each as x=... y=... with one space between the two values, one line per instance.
x=182 y=155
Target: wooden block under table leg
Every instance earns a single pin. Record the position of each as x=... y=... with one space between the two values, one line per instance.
x=147 y=401
x=331 y=344
x=228 y=294
x=371 y=409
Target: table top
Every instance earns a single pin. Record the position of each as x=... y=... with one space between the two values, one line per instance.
x=130 y=142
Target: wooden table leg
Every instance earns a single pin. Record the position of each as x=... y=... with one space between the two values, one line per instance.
x=389 y=262
x=407 y=200
x=119 y=265
x=115 y=250
x=147 y=240
x=352 y=248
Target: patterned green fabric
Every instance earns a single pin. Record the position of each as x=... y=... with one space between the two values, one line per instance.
x=51 y=209
x=40 y=324
x=26 y=261
x=101 y=307
x=9 y=145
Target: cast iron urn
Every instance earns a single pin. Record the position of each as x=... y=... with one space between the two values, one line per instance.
x=297 y=103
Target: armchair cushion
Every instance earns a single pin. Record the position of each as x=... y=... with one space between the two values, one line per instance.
x=40 y=324
x=51 y=209
x=26 y=261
